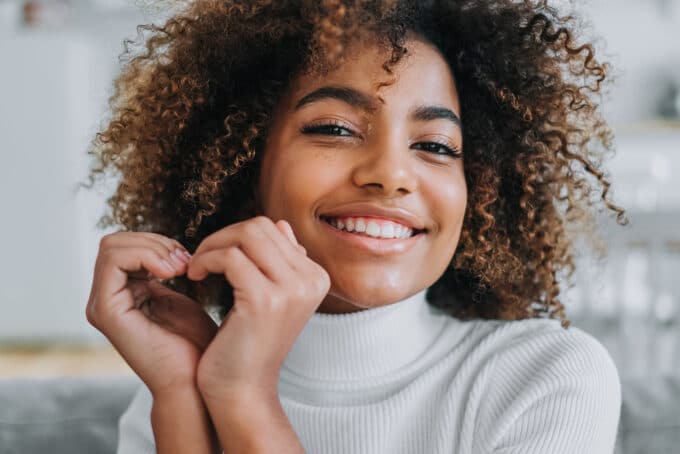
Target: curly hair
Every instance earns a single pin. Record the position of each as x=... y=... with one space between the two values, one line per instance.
x=190 y=113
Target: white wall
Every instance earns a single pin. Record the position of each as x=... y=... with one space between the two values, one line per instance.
x=53 y=90
x=54 y=85
x=50 y=98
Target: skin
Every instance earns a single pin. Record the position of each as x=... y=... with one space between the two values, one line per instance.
x=382 y=161
x=225 y=380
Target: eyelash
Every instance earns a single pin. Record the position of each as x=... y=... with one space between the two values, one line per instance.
x=324 y=128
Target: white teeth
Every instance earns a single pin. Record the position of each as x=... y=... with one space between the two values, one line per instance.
x=387 y=231
x=373 y=229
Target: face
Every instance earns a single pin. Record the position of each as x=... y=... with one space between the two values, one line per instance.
x=360 y=148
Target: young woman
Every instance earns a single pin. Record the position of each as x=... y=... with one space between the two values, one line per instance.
x=378 y=196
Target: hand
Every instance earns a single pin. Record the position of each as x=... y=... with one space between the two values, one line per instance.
x=164 y=346
x=277 y=288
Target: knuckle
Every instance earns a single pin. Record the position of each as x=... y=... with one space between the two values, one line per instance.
x=106 y=256
x=230 y=253
x=263 y=223
x=273 y=301
x=265 y=303
x=300 y=290
x=323 y=281
x=91 y=314
x=262 y=220
x=252 y=228
x=162 y=239
x=106 y=241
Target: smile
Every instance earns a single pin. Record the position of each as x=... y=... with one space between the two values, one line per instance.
x=373 y=243
x=373 y=227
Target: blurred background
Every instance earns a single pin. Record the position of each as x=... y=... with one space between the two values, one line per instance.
x=58 y=59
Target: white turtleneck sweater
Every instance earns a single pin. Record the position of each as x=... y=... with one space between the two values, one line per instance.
x=409 y=378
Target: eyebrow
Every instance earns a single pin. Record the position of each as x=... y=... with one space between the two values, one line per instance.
x=427 y=113
x=347 y=95
x=356 y=98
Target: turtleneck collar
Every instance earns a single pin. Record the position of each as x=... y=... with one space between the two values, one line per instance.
x=366 y=344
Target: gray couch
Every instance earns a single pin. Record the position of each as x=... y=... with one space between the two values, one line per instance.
x=64 y=415
x=79 y=415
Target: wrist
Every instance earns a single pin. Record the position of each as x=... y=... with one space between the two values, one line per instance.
x=240 y=419
x=181 y=422
x=235 y=396
x=175 y=391
x=168 y=396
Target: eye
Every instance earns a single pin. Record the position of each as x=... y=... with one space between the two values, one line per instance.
x=438 y=149
x=327 y=129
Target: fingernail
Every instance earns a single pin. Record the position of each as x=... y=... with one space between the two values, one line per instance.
x=187 y=255
x=180 y=255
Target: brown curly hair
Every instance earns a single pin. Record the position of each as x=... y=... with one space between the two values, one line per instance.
x=190 y=114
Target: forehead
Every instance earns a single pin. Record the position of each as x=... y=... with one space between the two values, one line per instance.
x=422 y=76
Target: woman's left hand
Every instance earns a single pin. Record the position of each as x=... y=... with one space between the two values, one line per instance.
x=277 y=288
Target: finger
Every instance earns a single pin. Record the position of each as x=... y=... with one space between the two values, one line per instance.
x=287 y=246
x=162 y=245
x=259 y=240
x=118 y=262
x=285 y=228
x=233 y=263
x=181 y=315
x=234 y=233
x=122 y=239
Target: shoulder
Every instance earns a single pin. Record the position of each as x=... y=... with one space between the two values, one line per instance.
x=538 y=339
x=544 y=344
x=135 y=434
x=549 y=354
x=551 y=385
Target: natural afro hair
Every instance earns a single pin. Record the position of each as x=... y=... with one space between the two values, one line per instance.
x=191 y=108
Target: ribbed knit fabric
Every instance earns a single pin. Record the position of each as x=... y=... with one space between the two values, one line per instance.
x=409 y=378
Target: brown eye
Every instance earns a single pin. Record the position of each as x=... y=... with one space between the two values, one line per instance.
x=438 y=149
x=327 y=129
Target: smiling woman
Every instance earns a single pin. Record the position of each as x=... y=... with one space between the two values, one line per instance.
x=360 y=145
x=377 y=195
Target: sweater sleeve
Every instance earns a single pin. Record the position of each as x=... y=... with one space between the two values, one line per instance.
x=555 y=391
x=135 y=435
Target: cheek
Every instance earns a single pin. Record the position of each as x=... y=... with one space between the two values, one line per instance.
x=296 y=180
x=448 y=195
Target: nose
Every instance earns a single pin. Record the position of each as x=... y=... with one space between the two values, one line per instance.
x=386 y=168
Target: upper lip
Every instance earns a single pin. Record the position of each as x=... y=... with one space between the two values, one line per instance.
x=400 y=215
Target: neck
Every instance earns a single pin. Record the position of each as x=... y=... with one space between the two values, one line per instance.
x=365 y=343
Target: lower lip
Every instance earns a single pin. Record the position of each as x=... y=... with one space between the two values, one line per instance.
x=378 y=246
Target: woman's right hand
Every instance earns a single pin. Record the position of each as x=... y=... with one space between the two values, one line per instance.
x=164 y=343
